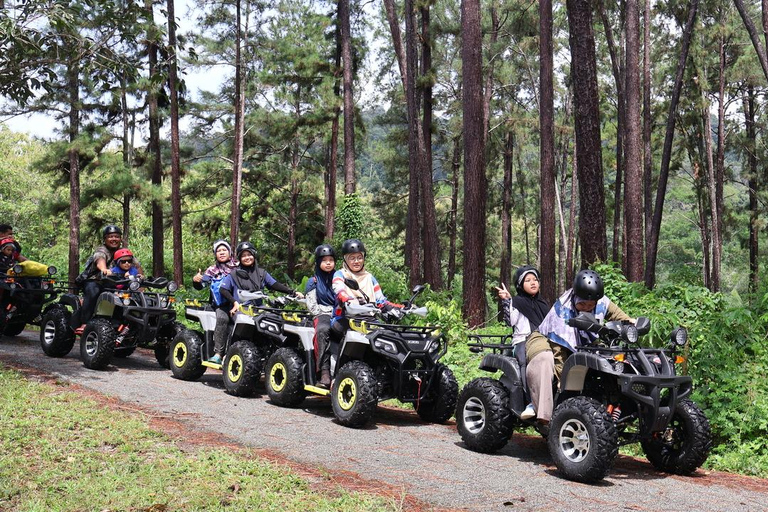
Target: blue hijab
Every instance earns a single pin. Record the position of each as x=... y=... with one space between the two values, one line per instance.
x=322 y=282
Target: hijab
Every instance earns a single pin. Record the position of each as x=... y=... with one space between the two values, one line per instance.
x=255 y=280
x=322 y=283
x=532 y=306
x=364 y=280
x=218 y=270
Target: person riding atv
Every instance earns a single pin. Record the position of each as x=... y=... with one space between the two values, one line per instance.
x=611 y=392
x=24 y=290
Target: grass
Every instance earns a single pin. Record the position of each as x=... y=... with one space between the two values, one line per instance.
x=61 y=451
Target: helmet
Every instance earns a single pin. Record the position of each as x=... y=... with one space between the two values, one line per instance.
x=7 y=240
x=520 y=274
x=352 y=246
x=587 y=285
x=245 y=246
x=122 y=253
x=321 y=251
x=109 y=229
x=219 y=243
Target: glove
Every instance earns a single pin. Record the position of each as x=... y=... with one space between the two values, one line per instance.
x=395 y=313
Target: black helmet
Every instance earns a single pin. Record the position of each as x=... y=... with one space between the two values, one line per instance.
x=520 y=274
x=588 y=286
x=110 y=229
x=352 y=246
x=245 y=246
x=321 y=251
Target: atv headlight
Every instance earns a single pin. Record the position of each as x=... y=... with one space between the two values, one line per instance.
x=172 y=286
x=52 y=270
x=387 y=346
x=679 y=336
x=18 y=269
x=134 y=286
x=433 y=346
x=163 y=301
x=629 y=333
x=126 y=299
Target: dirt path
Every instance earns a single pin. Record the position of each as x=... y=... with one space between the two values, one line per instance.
x=398 y=455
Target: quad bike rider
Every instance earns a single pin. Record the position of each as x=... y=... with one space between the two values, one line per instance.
x=129 y=313
x=374 y=361
x=255 y=332
x=612 y=392
x=25 y=289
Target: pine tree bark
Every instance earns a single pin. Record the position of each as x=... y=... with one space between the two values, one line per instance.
x=330 y=180
x=588 y=143
x=155 y=155
x=416 y=162
x=752 y=184
x=753 y=35
x=505 y=265
x=453 y=214
x=548 y=234
x=475 y=182
x=178 y=258
x=720 y=159
x=127 y=159
x=570 y=257
x=350 y=180
x=661 y=190
x=647 y=153
x=714 y=280
x=397 y=40
x=237 y=143
x=633 y=189
x=73 y=85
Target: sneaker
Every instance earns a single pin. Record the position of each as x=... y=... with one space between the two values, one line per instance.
x=216 y=359
x=80 y=330
x=528 y=413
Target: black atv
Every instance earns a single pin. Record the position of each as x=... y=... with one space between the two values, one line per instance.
x=129 y=313
x=254 y=334
x=374 y=361
x=612 y=393
x=23 y=299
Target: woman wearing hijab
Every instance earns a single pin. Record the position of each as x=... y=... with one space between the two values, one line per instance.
x=524 y=312
x=320 y=301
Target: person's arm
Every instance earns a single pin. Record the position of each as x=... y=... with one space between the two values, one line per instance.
x=615 y=313
x=312 y=304
x=340 y=288
x=226 y=290
x=21 y=259
x=273 y=284
x=511 y=314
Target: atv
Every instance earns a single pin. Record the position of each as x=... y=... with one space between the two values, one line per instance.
x=129 y=313
x=255 y=333
x=23 y=298
x=612 y=393
x=374 y=361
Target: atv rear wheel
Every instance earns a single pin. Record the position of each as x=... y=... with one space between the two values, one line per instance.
x=56 y=338
x=482 y=415
x=97 y=344
x=583 y=440
x=124 y=351
x=440 y=403
x=185 y=357
x=13 y=329
x=283 y=378
x=685 y=445
x=242 y=369
x=163 y=341
x=354 y=394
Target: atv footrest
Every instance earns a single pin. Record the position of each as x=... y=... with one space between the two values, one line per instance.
x=316 y=390
x=212 y=365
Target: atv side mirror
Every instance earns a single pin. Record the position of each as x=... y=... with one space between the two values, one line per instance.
x=418 y=289
x=351 y=284
x=643 y=325
x=242 y=274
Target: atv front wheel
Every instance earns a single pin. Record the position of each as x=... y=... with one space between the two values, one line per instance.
x=97 y=344
x=283 y=378
x=56 y=338
x=242 y=369
x=583 y=440
x=482 y=415
x=354 y=395
x=684 y=445
x=440 y=403
x=185 y=357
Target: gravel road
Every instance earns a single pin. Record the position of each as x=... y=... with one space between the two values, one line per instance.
x=428 y=462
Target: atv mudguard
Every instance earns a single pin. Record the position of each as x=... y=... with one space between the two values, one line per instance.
x=511 y=377
x=71 y=300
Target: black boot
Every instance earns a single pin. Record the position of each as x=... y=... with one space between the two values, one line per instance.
x=325 y=378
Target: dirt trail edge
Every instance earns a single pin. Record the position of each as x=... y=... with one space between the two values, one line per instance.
x=424 y=466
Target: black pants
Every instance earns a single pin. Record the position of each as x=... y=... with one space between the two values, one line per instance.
x=323 y=337
x=91 y=292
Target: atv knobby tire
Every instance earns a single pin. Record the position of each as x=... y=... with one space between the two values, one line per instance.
x=13 y=329
x=354 y=395
x=56 y=338
x=242 y=369
x=440 y=403
x=186 y=355
x=163 y=341
x=97 y=344
x=283 y=378
x=124 y=351
x=583 y=440
x=689 y=445
x=482 y=415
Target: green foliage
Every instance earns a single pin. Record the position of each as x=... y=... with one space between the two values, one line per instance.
x=350 y=221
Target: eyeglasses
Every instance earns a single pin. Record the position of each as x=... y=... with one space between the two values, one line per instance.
x=356 y=259
x=123 y=262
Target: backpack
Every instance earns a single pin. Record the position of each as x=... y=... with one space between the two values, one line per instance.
x=85 y=274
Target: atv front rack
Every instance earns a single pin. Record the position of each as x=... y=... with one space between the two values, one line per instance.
x=478 y=344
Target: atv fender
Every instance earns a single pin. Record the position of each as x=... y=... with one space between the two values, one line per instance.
x=71 y=300
x=305 y=334
x=577 y=367
x=106 y=305
x=511 y=379
x=206 y=318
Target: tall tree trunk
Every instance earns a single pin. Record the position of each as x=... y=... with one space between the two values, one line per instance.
x=73 y=85
x=237 y=143
x=647 y=154
x=330 y=182
x=127 y=159
x=178 y=258
x=749 y=116
x=521 y=184
x=633 y=190
x=570 y=258
x=453 y=214
x=293 y=218
x=488 y=90
x=720 y=161
x=505 y=265
x=397 y=40
x=350 y=182
x=475 y=182
x=753 y=35
x=714 y=282
x=415 y=162
x=548 y=235
x=155 y=155
x=588 y=143
x=661 y=190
